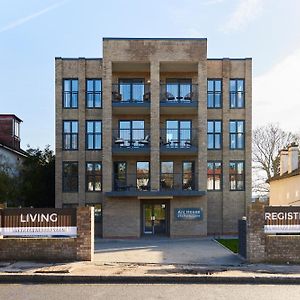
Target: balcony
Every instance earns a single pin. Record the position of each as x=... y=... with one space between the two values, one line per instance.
x=178 y=141
x=178 y=98
x=129 y=141
x=135 y=96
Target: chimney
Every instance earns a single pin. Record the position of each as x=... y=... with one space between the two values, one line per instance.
x=283 y=161
x=293 y=157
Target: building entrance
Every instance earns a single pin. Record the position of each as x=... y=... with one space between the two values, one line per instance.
x=155 y=218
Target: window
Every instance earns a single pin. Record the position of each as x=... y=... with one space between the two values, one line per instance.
x=188 y=175
x=132 y=90
x=179 y=89
x=16 y=129
x=237 y=134
x=214 y=176
x=214 y=93
x=94 y=93
x=70 y=93
x=214 y=134
x=237 y=175
x=70 y=135
x=143 y=175
x=167 y=175
x=94 y=177
x=94 y=135
x=70 y=176
x=178 y=134
x=120 y=176
x=237 y=95
x=131 y=133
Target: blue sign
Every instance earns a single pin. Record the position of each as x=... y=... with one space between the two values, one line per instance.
x=187 y=214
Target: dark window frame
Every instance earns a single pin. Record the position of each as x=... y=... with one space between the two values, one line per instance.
x=94 y=134
x=173 y=174
x=236 y=134
x=235 y=92
x=71 y=135
x=64 y=177
x=236 y=162
x=214 y=162
x=71 y=92
x=131 y=83
x=114 y=174
x=179 y=129
x=178 y=82
x=214 y=92
x=149 y=172
x=220 y=134
x=193 y=173
x=93 y=93
x=93 y=175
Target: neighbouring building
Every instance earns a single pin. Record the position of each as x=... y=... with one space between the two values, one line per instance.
x=156 y=136
x=11 y=154
x=285 y=187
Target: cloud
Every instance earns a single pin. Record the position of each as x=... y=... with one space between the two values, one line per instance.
x=245 y=12
x=26 y=19
x=276 y=94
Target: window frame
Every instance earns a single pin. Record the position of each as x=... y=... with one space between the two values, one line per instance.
x=149 y=172
x=236 y=92
x=93 y=175
x=93 y=93
x=193 y=174
x=214 y=134
x=236 y=133
x=64 y=190
x=94 y=134
x=236 y=174
x=71 y=135
x=173 y=174
x=131 y=83
x=214 y=162
x=179 y=128
x=71 y=93
x=214 y=94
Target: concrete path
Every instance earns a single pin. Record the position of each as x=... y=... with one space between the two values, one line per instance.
x=204 y=251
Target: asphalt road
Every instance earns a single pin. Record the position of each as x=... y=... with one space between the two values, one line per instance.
x=148 y=291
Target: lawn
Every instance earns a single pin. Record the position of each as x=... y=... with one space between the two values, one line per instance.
x=231 y=244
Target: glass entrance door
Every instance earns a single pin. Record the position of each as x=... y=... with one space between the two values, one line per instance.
x=154 y=219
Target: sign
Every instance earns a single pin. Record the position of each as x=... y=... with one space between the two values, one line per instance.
x=282 y=219
x=38 y=222
x=186 y=214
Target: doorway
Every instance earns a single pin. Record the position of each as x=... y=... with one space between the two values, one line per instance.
x=155 y=218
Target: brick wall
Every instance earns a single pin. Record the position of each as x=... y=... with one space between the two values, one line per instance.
x=54 y=249
x=269 y=248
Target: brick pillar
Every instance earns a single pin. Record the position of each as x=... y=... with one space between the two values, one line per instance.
x=85 y=233
x=256 y=239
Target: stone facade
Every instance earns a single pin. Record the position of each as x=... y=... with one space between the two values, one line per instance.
x=156 y=60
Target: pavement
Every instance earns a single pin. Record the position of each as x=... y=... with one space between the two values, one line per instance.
x=153 y=261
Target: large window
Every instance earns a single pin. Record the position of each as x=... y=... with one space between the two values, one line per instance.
x=70 y=135
x=94 y=177
x=94 y=135
x=93 y=93
x=237 y=175
x=143 y=175
x=179 y=89
x=237 y=93
x=70 y=176
x=178 y=134
x=188 y=175
x=214 y=93
x=167 y=175
x=237 y=134
x=214 y=134
x=131 y=133
x=214 y=175
x=120 y=176
x=132 y=90
x=70 y=93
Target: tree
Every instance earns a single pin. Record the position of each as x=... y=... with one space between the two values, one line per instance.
x=267 y=142
x=37 y=178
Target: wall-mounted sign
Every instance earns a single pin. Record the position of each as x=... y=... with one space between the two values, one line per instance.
x=282 y=219
x=38 y=222
x=186 y=214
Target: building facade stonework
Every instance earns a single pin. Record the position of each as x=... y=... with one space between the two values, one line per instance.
x=156 y=136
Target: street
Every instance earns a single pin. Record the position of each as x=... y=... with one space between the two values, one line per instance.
x=146 y=291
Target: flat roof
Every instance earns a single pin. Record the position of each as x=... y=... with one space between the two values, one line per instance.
x=7 y=116
x=175 y=39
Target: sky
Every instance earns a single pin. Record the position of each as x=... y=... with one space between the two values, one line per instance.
x=34 y=32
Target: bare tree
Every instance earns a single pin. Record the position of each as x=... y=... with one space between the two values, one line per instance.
x=267 y=142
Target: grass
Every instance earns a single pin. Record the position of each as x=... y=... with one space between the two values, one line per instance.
x=231 y=244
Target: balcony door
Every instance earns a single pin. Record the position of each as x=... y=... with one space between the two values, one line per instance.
x=178 y=133
x=131 y=132
x=132 y=90
x=179 y=89
x=120 y=176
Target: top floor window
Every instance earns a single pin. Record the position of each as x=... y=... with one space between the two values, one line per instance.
x=16 y=128
x=237 y=134
x=178 y=89
x=132 y=90
x=70 y=93
x=214 y=93
x=237 y=93
x=94 y=93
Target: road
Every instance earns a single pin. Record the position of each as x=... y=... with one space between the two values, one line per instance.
x=146 y=291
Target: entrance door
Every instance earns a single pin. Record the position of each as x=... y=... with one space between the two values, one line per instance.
x=155 y=219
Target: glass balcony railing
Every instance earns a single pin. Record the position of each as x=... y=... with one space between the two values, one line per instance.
x=131 y=138
x=178 y=93
x=178 y=181
x=123 y=93
x=178 y=138
x=131 y=182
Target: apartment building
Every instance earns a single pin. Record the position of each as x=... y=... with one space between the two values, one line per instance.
x=156 y=136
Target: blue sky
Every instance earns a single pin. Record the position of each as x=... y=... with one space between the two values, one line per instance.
x=33 y=32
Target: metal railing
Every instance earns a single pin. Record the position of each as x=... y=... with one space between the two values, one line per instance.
x=131 y=138
x=131 y=93
x=131 y=182
x=178 y=181
x=178 y=93
x=178 y=138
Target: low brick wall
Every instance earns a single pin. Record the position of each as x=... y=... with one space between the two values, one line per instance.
x=54 y=249
x=268 y=248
